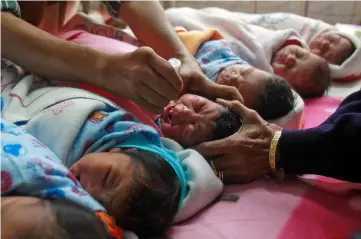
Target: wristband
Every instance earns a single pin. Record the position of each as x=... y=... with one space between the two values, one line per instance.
x=272 y=151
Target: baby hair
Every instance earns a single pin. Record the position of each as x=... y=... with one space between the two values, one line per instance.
x=320 y=80
x=276 y=100
x=226 y=124
x=71 y=221
x=153 y=197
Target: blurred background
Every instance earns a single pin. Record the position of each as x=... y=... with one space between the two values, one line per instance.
x=346 y=12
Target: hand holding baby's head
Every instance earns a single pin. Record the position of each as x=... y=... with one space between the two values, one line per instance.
x=193 y=119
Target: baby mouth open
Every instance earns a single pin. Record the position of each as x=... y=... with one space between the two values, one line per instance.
x=279 y=57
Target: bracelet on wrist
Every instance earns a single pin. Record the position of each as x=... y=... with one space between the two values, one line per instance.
x=272 y=156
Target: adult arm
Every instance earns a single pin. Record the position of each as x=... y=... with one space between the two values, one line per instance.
x=151 y=26
x=141 y=76
x=45 y=54
x=330 y=149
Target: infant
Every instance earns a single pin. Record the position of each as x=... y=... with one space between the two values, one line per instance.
x=30 y=170
x=139 y=189
x=35 y=218
x=307 y=73
x=334 y=48
x=194 y=119
x=128 y=182
x=124 y=165
x=260 y=89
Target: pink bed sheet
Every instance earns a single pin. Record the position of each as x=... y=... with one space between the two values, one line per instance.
x=311 y=208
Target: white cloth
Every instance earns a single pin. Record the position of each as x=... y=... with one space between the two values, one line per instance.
x=308 y=29
x=204 y=185
x=257 y=44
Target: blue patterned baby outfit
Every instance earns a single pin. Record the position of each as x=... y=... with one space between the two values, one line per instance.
x=214 y=56
x=29 y=168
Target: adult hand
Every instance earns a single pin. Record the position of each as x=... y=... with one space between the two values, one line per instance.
x=142 y=77
x=196 y=82
x=243 y=156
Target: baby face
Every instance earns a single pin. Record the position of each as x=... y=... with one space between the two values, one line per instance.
x=190 y=120
x=297 y=66
x=23 y=215
x=334 y=48
x=248 y=80
x=104 y=173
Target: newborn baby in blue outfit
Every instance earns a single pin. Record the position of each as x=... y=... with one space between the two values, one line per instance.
x=268 y=94
x=40 y=197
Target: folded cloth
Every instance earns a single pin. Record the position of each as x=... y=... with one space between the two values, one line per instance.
x=193 y=39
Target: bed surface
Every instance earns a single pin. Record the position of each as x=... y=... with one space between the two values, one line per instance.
x=286 y=210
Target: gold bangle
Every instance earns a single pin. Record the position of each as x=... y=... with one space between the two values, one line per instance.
x=272 y=151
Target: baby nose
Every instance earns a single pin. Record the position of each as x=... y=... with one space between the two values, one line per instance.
x=233 y=79
x=325 y=44
x=230 y=77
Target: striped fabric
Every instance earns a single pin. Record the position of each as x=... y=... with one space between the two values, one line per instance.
x=11 y=6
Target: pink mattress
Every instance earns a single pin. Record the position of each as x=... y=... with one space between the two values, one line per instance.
x=313 y=207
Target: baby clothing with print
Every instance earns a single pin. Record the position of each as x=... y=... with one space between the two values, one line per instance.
x=28 y=167
x=214 y=56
